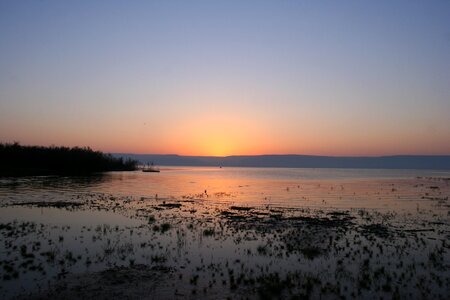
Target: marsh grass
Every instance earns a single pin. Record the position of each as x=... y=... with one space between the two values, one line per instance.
x=256 y=252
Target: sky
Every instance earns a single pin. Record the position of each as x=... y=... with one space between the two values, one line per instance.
x=340 y=78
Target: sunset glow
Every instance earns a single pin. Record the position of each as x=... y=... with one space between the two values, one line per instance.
x=198 y=78
x=201 y=149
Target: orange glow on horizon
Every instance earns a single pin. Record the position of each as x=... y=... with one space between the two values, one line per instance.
x=230 y=133
x=218 y=136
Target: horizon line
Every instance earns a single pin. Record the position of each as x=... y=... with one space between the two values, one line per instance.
x=232 y=155
x=291 y=154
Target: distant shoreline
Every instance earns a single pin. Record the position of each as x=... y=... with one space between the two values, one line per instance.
x=17 y=161
x=419 y=162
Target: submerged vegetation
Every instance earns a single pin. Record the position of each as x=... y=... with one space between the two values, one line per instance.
x=192 y=246
x=18 y=160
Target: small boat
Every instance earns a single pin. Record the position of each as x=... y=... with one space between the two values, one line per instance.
x=150 y=168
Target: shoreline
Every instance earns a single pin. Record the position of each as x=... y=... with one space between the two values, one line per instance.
x=192 y=247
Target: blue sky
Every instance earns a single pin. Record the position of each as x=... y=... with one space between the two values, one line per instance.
x=227 y=77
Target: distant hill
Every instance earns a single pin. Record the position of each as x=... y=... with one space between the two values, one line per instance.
x=441 y=162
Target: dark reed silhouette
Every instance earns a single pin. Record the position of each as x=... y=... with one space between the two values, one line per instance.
x=18 y=160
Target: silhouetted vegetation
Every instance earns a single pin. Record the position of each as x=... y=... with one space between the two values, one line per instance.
x=18 y=160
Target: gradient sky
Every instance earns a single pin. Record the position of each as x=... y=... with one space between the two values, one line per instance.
x=227 y=77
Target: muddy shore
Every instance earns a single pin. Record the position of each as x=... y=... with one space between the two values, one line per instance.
x=193 y=247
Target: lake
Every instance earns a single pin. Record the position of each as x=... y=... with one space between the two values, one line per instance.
x=227 y=232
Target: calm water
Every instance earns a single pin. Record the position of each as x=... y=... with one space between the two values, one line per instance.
x=119 y=225
x=344 y=188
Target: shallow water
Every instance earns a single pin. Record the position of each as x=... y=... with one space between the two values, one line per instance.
x=253 y=186
x=197 y=223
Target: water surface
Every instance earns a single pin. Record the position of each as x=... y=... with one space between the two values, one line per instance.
x=227 y=232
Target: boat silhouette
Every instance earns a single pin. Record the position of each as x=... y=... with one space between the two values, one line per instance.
x=150 y=168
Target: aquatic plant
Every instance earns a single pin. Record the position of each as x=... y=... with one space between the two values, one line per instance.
x=208 y=232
